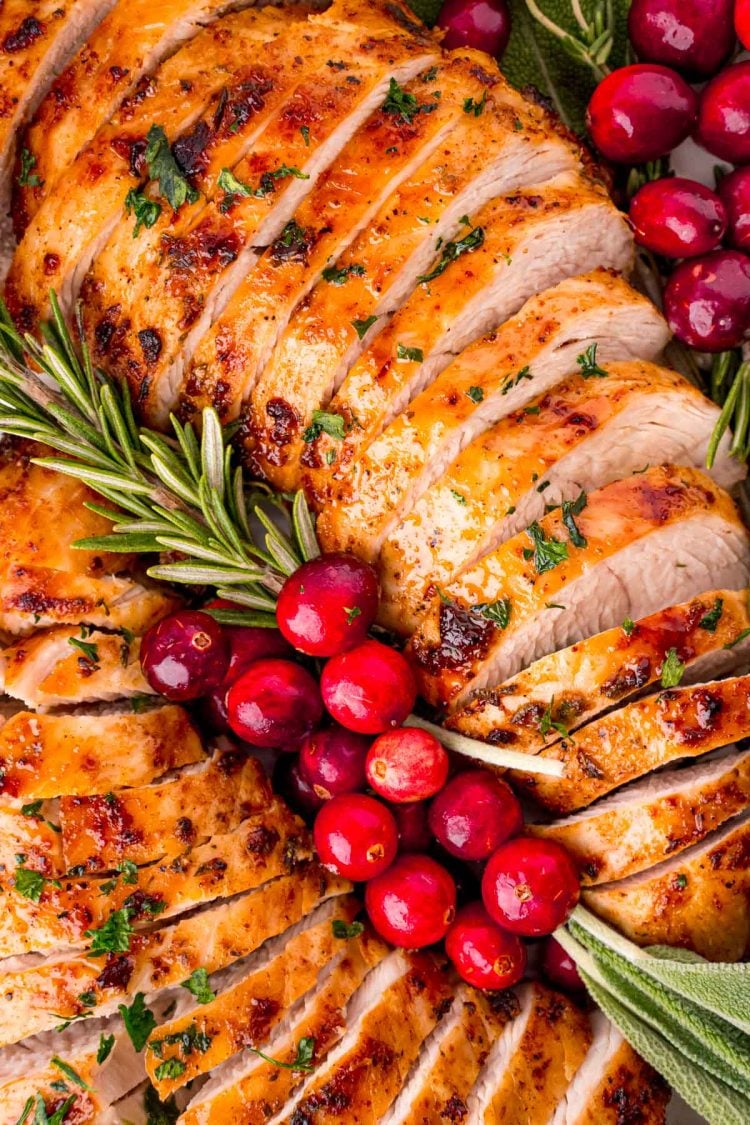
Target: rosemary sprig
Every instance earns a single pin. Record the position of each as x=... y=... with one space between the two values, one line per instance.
x=730 y=388
x=180 y=493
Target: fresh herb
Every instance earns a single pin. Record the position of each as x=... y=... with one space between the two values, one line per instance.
x=170 y=1068
x=189 y=1040
x=27 y=178
x=146 y=210
x=104 y=1050
x=26 y=1110
x=41 y=1117
x=158 y=1112
x=197 y=983
x=547 y=552
x=338 y=276
x=30 y=884
x=672 y=670
x=89 y=650
x=399 y=103
x=453 y=250
x=429 y=75
x=114 y=936
x=234 y=188
x=71 y=1074
x=740 y=637
x=498 y=612
x=361 y=327
x=711 y=620
x=343 y=929
x=476 y=394
x=475 y=108
x=458 y=496
x=571 y=509
x=33 y=808
x=543 y=486
x=87 y=998
x=547 y=723
x=415 y=354
x=139 y=1021
x=681 y=882
x=325 y=423
x=301 y=1061
x=164 y=169
x=628 y=626
x=531 y=409
x=304 y=130
x=590 y=369
x=513 y=380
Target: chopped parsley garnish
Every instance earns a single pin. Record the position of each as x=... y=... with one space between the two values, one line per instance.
x=189 y=1040
x=233 y=188
x=305 y=135
x=672 y=670
x=113 y=936
x=498 y=612
x=628 y=626
x=453 y=250
x=41 y=1117
x=713 y=617
x=30 y=884
x=72 y=1075
x=571 y=509
x=740 y=637
x=146 y=210
x=301 y=1061
x=170 y=1068
x=343 y=929
x=415 y=354
x=680 y=882
x=33 y=808
x=325 y=423
x=476 y=394
x=27 y=178
x=547 y=723
x=163 y=167
x=518 y=125
x=89 y=650
x=399 y=103
x=197 y=983
x=429 y=75
x=590 y=369
x=475 y=108
x=139 y=1021
x=335 y=276
x=547 y=552
x=104 y=1050
x=513 y=380
x=457 y=496
x=361 y=327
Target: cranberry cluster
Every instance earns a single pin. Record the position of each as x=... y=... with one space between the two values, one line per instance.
x=640 y=113
x=388 y=809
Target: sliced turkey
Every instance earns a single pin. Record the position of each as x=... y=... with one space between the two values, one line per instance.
x=480 y=160
x=679 y=722
x=507 y=1089
x=710 y=635
x=469 y=397
x=70 y=912
x=451 y=1059
x=129 y=43
x=254 y=1089
x=387 y=150
x=46 y=990
x=50 y=669
x=143 y=824
x=575 y=437
x=251 y=999
x=506 y=252
x=391 y=1015
x=612 y=1085
x=697 y=900
x=643 y=824
x=200 y=268
x=577 y=571
x=75 y=221
x=47 y=756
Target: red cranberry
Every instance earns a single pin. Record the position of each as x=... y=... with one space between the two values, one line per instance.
x=369 y=688
x=474 y=814
x=742 y=22
x=413 y=830
x=483 y=24
x=332 y=761
x=413 y=903
x=328 y=605
x=355 y=836
x=734 y=189
x=483 y=954
x=530 y=886
x=559 y=967
x=694 y=36
x=641 y=112
x=290 y=784
x=274 y=703
x=678 y=218
x=407 y=764
x=707 y=300
x=185 y=655
x=724 y=115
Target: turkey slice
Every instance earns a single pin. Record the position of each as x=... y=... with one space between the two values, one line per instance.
x=577 y=572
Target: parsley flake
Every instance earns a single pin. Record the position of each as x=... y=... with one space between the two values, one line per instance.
x=590 y=369
x=672 y=670
x=163 y=168
x=399 y=103
x=476 y=394
x=362 y=327
x=72 y=1075
x=170 y=1068
x=325 y=423
x=475 y=108
x=89 y=650
x=513 y=380
x=30 y=884
x=547 y=552
x=197 y=983
x=27 y=178
x=335 y=276
x=458 y=497
x=453 y=250
x=628 y=626
x=713 y=617
x=547 y=723
x=498 y=612
x=415 y=354
x=146 y=210
x=343 y=929
x=139 y=1021
x=301 y=1061
x=304 y=130
x=571 y=509
x=113 y=936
